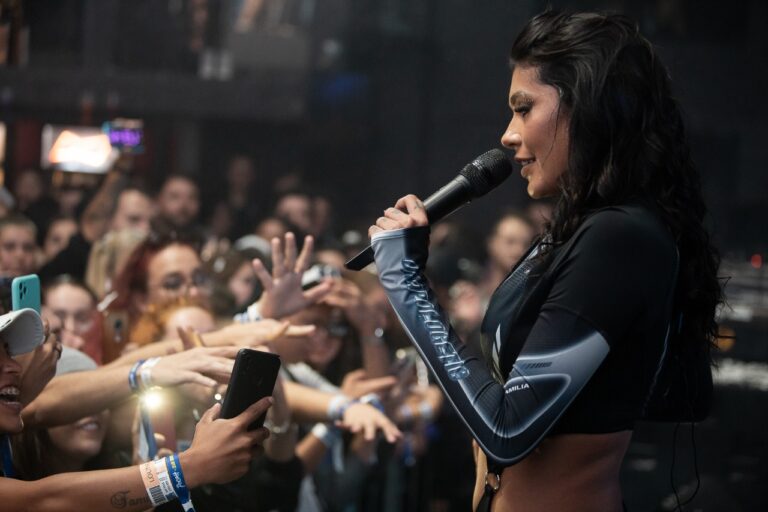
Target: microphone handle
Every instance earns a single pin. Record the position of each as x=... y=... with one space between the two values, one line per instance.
x=449 y=198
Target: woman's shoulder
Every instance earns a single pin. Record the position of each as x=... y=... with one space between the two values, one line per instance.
x=623 y=235
x=627 y=223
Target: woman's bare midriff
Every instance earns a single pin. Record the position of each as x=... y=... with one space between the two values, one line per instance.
x=567 y=473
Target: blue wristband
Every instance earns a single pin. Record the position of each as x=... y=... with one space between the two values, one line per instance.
x=132 y=382
x=178 y=482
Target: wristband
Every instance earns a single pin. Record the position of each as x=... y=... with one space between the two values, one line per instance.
x=173 y=465
x=157 y=482
x=145 y=372
x=326 y=435
x=425 y=411
x=338 y=407
x=132 y=382
x=253 y=313
x=373 y=400
x=406 y=413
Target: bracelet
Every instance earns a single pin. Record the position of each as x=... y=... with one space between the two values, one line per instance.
x=173 y=465
x=338 y=407
x=279 y=429
x=145 y=373
x=377 y=338
x=132 y=375
x=157 y=482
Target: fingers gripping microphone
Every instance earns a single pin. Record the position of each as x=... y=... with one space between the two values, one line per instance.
x=476 y=179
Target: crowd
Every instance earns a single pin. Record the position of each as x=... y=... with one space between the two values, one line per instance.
x=151 y=304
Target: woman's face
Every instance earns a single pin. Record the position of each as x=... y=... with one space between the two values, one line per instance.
x=242 y=284
x=175 y=271
x=325 y=343
x=509 y=242
x=10 y=382
x=76 y=310
x=538 y=131
x=80 y=440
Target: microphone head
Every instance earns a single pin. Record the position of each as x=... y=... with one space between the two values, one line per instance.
x=487 y=171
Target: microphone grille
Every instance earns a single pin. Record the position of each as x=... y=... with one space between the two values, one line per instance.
x=487 y=171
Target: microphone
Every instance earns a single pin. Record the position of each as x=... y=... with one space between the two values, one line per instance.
x=476 y=179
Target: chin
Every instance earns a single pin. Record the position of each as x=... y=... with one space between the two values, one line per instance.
x=11 y=425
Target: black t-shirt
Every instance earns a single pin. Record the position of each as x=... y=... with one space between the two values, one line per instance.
x=616 y=275
x=574 y=337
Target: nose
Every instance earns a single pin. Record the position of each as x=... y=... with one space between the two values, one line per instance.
x=72 y=340
x=511 y=138
x=8 y=364
x=70 y=324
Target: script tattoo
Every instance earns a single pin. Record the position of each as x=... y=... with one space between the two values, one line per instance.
x=121 y=500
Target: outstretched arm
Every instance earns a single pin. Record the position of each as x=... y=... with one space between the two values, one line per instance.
x=221 y=452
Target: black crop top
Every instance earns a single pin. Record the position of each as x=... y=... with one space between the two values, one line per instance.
x=578 y=333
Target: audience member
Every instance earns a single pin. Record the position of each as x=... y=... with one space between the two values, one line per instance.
x=17 y=246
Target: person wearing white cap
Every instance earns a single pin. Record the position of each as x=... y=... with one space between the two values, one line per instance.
x=221 y=450
x=21 y=332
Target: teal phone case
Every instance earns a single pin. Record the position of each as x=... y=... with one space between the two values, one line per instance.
x=25 y=292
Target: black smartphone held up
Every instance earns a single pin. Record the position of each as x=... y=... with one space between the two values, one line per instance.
x=253 y=378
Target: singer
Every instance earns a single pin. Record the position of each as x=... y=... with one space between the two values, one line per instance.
x=583 y=332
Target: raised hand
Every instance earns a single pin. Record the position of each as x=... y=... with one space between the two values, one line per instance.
x=203 y=365
x=357 y=384
x=39 y=366
x=253 y=334
x=364 y=316
x=282 y=294
x=366 y=419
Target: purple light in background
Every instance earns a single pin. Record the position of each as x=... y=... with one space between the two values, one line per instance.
x=125 y=137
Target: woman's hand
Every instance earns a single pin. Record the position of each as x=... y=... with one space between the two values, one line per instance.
x=282 y=294
x=356 y=384
x=203 y=365
x=222 y=450
x=367 y=419
x=408 y=212
x=364 y=316
x=254 y=334
x=39 y=366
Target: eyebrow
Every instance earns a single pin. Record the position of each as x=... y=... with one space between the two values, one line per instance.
x=519 y=95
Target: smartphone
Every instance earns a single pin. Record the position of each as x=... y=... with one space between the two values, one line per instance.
x=253 y=378
x=25 y=292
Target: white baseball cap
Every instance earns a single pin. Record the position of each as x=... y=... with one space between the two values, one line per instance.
x=22 y=330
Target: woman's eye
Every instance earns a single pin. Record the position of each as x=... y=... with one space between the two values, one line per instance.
x=522 y=110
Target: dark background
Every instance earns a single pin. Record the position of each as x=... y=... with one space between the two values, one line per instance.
x=396 y=97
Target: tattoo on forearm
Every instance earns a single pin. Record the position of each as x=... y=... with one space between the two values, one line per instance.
x=121 y=500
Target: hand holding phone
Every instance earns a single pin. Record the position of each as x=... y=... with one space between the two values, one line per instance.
x=253 y=378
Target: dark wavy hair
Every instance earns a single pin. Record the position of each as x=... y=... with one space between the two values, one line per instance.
x=627 y=142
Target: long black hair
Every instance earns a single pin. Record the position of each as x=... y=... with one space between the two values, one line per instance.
x=627 y=142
